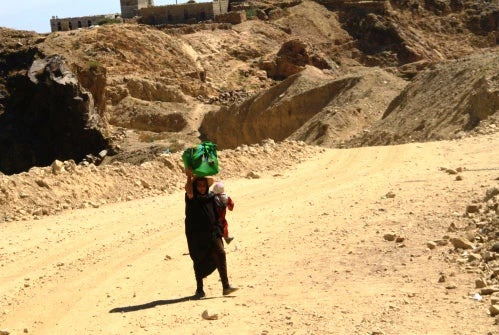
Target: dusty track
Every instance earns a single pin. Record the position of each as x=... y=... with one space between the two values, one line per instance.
x=309 y=254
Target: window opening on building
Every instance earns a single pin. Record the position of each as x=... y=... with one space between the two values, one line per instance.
x=59 y=26
x=70 y=25
x=79 y=24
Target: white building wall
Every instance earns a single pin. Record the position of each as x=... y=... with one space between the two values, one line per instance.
x=220 y=7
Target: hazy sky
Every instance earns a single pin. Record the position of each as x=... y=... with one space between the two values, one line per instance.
x=36 y=14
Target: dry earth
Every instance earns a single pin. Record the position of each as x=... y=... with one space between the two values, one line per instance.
x=311 y=254
x=328 y=241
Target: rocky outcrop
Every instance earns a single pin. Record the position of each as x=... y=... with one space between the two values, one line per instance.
x=292 y=58
x=48 y=116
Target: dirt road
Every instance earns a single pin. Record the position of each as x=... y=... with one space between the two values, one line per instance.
x=309 y=254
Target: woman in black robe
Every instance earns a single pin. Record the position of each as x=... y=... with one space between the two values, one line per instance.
x=204 y=233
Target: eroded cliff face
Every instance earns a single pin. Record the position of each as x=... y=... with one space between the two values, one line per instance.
x=48 y=115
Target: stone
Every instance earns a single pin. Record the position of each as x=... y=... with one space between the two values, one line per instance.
x=494 y=298
x=399 y=239
x=489 y=256
x=441 y=242
x=431 y=245
x=472 y=208
x=390 y=195
x=145 y=184
x=494 y=310
x=103 y=153
x=57 y=167
x=480 y=283
x=292 y=58
x=205 y=315
x=474 y=257
x=489 y=290
x=252 y=175
x=232 y=17
x=42 y=183
x=490 y=193
x=495 y=247
x=390 y=236
x=461 y=243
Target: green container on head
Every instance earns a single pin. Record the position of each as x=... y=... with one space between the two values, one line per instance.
x=202 y=159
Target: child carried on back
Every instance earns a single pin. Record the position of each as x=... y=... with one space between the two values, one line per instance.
x=223 y=202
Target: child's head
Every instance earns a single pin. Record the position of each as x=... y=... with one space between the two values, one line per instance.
x=218 y=188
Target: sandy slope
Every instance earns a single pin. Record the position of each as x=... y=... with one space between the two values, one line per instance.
x=309 y=254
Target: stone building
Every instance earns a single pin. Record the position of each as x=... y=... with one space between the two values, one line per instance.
x=190 y=12
x=70 y=23
x=130 y=8
x=220 y=7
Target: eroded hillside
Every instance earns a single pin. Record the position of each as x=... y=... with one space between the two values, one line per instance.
x=427 y=110
x=154 y=85
x=96 y=246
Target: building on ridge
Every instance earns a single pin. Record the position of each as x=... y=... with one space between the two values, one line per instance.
x=189 y=12
x=71 y=23
x=130 y=8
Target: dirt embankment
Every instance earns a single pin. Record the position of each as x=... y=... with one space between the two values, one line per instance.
x=310 y=106
x=64 y=186
x=444 y=102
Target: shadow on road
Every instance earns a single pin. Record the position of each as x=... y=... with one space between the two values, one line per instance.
x=153 y=304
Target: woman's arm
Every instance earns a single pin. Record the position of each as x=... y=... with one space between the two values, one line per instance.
x=188 y=185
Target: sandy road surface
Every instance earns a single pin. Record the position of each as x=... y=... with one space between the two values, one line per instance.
x=309 y=254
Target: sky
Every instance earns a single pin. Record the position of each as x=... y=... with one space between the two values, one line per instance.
x=36 y=14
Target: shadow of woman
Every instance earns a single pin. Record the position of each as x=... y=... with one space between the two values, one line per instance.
x=153 y=304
